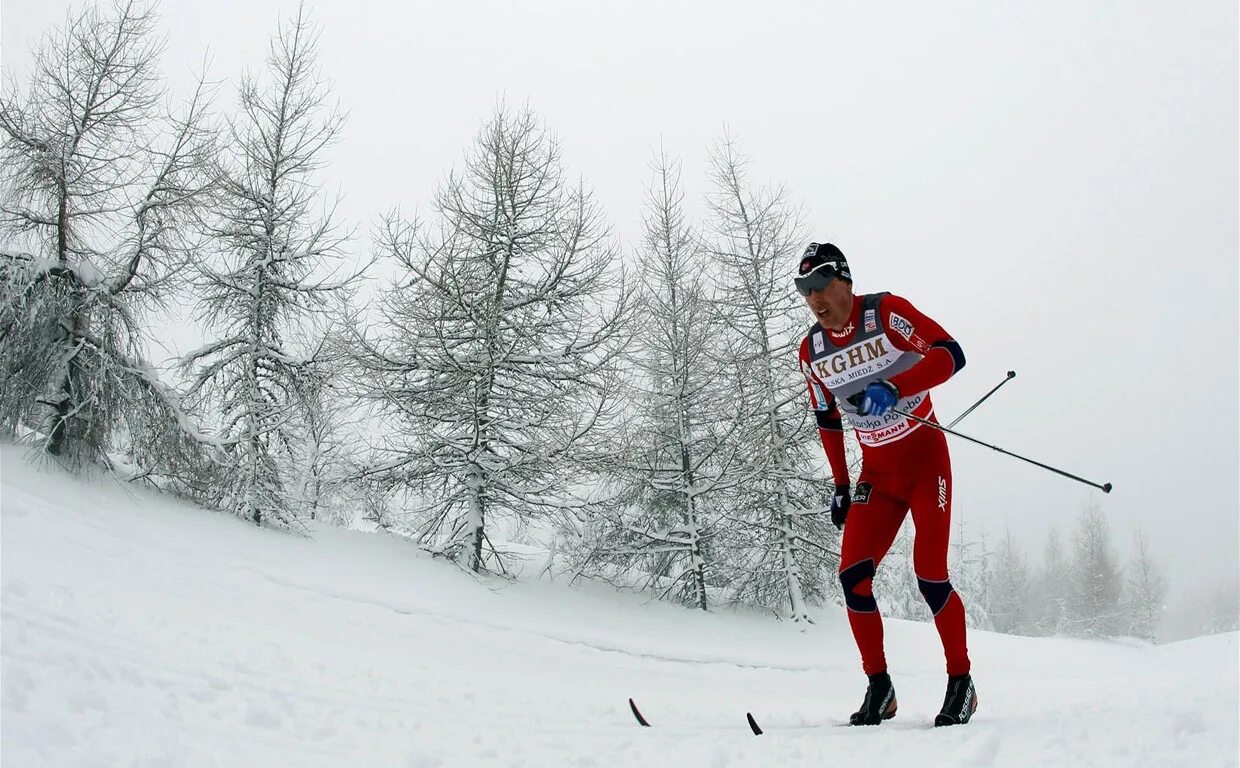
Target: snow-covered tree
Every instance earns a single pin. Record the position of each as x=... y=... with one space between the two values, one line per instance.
x=1145 y=592
x=328 y=455
x=970 y=564
x=896 y=587
x=275 y=279
x=1219 y=609
x=786 y=548
x=1010 y=595
x=100 y=187
x=1094 y=604
x=1052 y=589
x=677 y=458
x=495 y=367
x=895 y=583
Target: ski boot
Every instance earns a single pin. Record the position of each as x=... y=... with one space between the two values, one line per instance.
x=879 y=704
x=960 y=702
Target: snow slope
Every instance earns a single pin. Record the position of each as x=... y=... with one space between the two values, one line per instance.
x=137 y=631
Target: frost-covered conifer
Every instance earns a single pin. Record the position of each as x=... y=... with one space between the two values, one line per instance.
x=275 y=280
x=785 y=547
x=1010 y=595
x=100 y=189
x=1053 y=588
x=494 y=365
x=677 y=464
x=970 y=567
x=1094 y=602
x=1145 y=592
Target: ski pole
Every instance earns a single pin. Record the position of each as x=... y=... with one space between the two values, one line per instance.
x=1010 y=375
x=1104 y=487
x=855 y=400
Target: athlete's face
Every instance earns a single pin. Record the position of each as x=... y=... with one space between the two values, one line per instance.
x=832 y=305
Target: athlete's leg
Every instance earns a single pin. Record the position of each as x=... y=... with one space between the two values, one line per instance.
x=873 y=522
x=931 y=504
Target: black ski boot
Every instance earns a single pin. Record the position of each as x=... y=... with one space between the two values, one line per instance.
x=960 y=702
x=879 y=704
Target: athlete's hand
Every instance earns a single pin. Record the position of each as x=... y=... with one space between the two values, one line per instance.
x=878 y=398
x=840 y=503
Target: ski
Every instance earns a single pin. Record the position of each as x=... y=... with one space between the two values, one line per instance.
x=757 y=730
x=637 y=713
x=753 y=724
x=642 y=721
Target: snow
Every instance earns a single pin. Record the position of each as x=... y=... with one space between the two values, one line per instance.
x=139 y=631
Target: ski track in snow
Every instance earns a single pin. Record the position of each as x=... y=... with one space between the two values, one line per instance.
x=138 y=631
x=593 y=645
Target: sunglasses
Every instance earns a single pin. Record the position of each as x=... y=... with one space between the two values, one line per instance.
x=817 y=278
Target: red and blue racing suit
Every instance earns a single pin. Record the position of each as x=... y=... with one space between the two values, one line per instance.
x=905 y=465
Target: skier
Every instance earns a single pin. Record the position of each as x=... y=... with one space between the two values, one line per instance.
x=873 y=356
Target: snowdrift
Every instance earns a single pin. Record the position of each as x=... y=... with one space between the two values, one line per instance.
x=136 y=630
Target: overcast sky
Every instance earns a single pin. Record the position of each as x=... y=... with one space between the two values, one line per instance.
x=1055 y=182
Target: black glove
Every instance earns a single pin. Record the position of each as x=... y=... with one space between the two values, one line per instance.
x=840 y=503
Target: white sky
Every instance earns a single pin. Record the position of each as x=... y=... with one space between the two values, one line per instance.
x=1057 y=183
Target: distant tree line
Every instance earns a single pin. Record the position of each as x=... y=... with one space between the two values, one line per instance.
x=513 y=378
x=1080 y=588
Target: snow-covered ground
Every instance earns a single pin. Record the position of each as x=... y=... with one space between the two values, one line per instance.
x=137 y=631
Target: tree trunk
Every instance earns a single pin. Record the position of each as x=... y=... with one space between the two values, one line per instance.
x=476 y=521
x=792 y=571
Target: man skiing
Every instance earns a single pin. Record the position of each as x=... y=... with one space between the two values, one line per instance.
x=875 y=357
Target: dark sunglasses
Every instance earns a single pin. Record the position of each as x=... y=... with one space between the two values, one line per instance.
x=817 y=278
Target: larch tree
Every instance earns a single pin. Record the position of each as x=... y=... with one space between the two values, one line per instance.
x=495 y=369
x=1010 y=595
x=276 y=277
x=786 y=550
x=1053 y=588
x=677 y=460
x=970 y=563
x=1094 y=608
x=329 y=454
x=1145 y=592
x=101 y=186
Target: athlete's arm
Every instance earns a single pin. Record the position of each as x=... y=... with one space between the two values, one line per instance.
x=830 y=426
x=910 y=330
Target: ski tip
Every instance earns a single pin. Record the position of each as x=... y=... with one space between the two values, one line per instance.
x=753 y=724
x=637 y=713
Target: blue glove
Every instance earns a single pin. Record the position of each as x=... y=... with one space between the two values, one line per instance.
x=879 y=397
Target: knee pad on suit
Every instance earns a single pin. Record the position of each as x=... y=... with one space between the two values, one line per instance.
x=936 y=593
x=851 y=578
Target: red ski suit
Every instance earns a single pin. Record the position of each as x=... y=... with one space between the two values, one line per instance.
x=905 y=465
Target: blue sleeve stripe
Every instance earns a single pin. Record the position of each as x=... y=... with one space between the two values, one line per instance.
x=820 y=397
x=956 y=352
